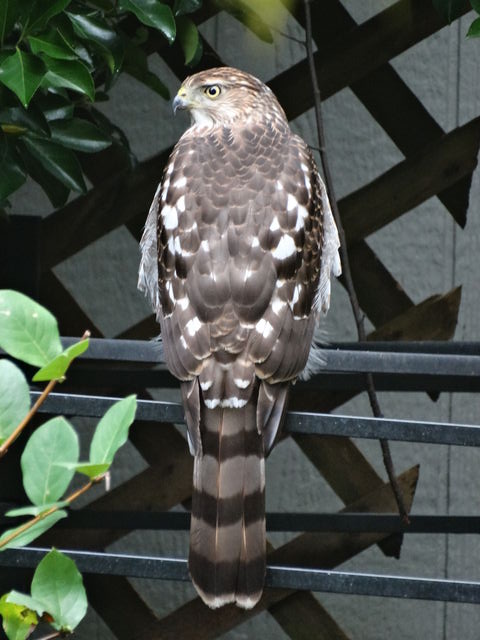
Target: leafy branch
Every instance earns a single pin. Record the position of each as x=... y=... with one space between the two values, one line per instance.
x=28 y=332
x=357 y=313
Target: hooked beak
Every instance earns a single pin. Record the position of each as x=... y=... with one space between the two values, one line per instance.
x=180 y=101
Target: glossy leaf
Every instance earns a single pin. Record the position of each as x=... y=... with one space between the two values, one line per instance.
x=23 y=73
x=28 y=331
x=136 y=65
x=182 y=7
x=8 y=15
x=98 y=30
x=474 y=30
x=12 y=173
x=60 y=162
x=53 y=45
x=35 y=510
x=58 y=585
x=112 y=430
x=18 y=621
x=43 y=480
x=55 y=190
x=31 y=118
x=71 y=74
x=189 y=39
x=153 y=13
x=42 y=11
x=33 y=532
x=54 y=106
x=14 y=398
x=57 y=368
x=80 y=135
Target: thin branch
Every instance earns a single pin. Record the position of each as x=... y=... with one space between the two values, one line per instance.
x=41 y=516
x=18 y=430
x=357 y=313
x=33 y=410
x=57 y=634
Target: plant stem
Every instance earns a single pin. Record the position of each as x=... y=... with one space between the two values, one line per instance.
x=57 y=634
x=347 y=274
x=18 y=430
x=41 y=516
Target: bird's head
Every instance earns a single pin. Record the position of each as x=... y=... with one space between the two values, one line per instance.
x=224 y=95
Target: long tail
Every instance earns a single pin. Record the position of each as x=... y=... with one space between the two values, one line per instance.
x=227 y=534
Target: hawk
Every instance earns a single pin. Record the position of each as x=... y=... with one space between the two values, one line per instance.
x=237 y=253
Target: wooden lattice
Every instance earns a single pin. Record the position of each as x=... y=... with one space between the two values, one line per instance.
x=435 y=164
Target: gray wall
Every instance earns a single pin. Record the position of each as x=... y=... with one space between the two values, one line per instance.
x=423 y=249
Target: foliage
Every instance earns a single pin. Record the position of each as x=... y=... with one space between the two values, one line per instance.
x=58 y=58
x=50 y=459
x=450 y=10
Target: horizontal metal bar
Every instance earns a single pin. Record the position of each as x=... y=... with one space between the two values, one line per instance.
x=134 y=566
x=293 y=522
x=338 y=359
x=296 y=422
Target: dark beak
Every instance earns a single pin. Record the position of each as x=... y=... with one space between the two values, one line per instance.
x=179 y=102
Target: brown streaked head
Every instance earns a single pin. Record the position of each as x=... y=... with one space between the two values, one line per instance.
x=224 y=95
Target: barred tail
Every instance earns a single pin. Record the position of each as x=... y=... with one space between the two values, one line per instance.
x=227 y=534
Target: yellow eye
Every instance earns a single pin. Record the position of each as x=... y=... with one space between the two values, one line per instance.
x=212 y=91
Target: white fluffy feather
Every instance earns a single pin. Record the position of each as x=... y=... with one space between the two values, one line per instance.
x=330 y=255
x=148 y=270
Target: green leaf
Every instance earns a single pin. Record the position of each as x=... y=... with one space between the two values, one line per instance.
x=136 y=65
x=86 y=468
x=33 y=532
x=242 y=12
x=23 y=73
x=28 y=331
x=189 y=39
x=98 y=30
x=14 y=398
x=475 y=5
x=53 y=442
x=33 y=510
x=117 y=135
x=31 y=118
x=54 y=106
x=57 y=160
x=474 y=30
x=112 y=430
x=70 y=74
x=58 y=585
x=152 y=13
x=449 y=9
x=55 y=190
x=57 y=368
x=52 y=44
x=182 y=7
x=12 y=174
x=41 y=12
x=23 y=599
x=18 y=621
x=80 y=135
x=8 y=15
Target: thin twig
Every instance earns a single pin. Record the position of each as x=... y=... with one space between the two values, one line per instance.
x=41 y=516
x=18 y=430
x=347 y=274
x=57 y=634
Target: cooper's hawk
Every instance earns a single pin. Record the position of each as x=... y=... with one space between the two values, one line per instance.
x=237 y=254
